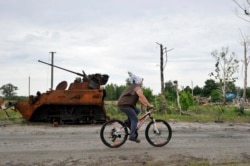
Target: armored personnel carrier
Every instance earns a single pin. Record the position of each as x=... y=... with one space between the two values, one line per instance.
x=80 y=102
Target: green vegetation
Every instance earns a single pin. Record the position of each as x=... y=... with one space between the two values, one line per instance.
x=8 y=90
x=10 y=116
x=195 y=113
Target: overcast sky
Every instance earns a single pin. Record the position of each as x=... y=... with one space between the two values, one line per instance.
x=113 y=37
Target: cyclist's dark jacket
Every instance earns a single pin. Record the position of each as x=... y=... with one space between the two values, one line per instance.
x=129 y=97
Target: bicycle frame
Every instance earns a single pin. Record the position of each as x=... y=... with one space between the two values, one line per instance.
x=144 y=118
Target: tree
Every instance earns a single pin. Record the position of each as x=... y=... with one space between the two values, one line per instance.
x=244 y=10
x=111 y=91
x=163 y=50
x=209 y=86
x=178 y=96
x=170 y=92
x=148 y=93
x=188 y=89
x=244 y=15
x=197 y=91
x=216 y=95
x=245 y=43
x=8 y=90
x=225 y=67
x=248 y=91
x=186 y=100
x=114 y=91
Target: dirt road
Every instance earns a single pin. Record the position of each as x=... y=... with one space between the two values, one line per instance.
x=213 y=143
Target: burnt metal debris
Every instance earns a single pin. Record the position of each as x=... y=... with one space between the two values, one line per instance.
x=79 y=103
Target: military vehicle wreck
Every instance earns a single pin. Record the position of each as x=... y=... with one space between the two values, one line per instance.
x=79 y=103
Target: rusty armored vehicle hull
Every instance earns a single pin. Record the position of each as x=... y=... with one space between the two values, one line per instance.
x=81 y=102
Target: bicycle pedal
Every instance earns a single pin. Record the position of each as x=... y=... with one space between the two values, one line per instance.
x=135 y=140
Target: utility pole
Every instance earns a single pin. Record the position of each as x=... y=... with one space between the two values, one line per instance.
x=162 y=67
x=52 y=69
x=29 y=86
x=192 y=88
x=246 y=61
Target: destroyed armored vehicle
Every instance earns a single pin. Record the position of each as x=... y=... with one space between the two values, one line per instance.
x=79 y=103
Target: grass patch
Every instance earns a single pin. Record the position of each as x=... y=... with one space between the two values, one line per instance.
x=208 y=113
x=10 y=116
x=211 y=113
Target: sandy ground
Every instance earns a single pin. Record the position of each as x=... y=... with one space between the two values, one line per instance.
x=213 y=143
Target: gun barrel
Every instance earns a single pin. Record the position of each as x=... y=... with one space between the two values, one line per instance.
x=62 y=68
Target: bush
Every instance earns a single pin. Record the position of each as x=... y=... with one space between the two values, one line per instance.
x=215 y=96
x=186 y=100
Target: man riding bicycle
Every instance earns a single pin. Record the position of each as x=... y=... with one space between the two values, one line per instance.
x=127 y=103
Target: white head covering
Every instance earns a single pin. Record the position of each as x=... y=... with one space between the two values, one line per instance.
x=134 y=79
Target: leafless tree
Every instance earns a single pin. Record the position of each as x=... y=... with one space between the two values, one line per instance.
x=243 y=9
x=226 y=66
x=243 y=13
x=178 y=97
x=245 y=43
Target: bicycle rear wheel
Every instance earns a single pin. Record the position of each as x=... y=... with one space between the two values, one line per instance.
x=114 y=133
x=160 y=138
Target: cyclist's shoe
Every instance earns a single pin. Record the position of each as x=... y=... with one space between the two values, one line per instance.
x=127 y=123
x=134 y=139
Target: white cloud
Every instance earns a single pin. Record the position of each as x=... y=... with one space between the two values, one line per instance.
x=114 y=37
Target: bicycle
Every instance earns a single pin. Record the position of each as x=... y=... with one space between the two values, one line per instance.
x=114 y=133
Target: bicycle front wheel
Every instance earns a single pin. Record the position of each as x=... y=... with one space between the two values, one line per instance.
x=158 y=133
x=114 y=133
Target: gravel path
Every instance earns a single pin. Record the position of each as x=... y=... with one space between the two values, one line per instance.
x=209 y=143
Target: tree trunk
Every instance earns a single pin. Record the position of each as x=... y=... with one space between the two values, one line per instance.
x=245 y=73
x=178 y=98
x=163 y=100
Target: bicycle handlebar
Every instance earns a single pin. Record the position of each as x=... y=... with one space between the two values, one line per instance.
x=149 y=108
